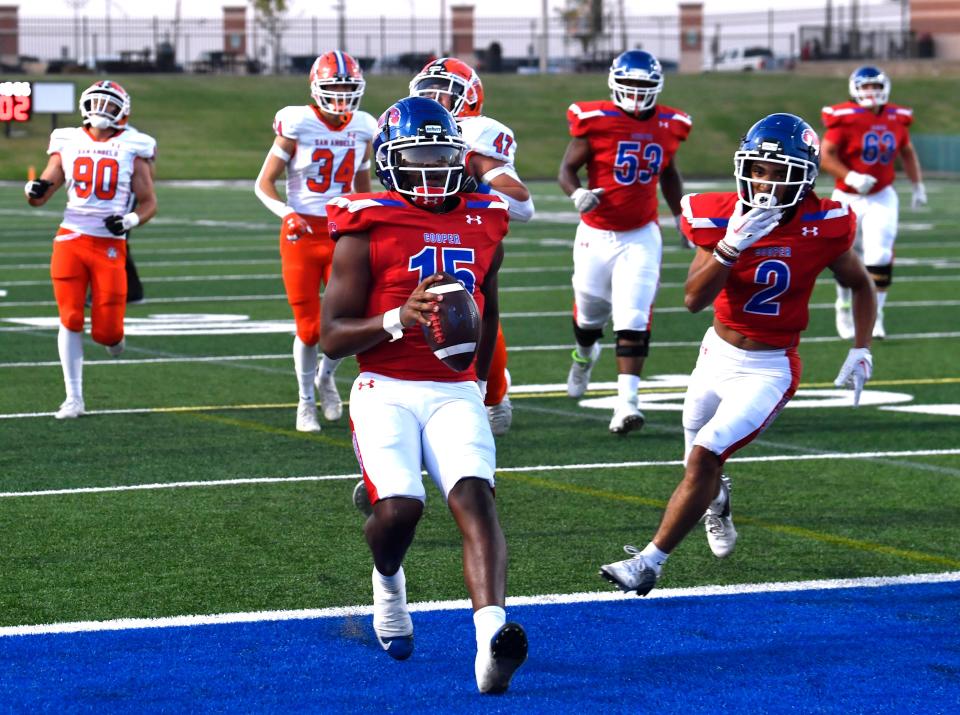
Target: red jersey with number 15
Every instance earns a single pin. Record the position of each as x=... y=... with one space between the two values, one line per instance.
x=767 y=295
x=407 y=244
x=867 y=142
x=627 y=156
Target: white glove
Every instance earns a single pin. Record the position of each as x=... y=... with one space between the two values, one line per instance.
x=745 y=229
x=585 y=200
x=919 y=195
x=855 y=371
x=861 y=183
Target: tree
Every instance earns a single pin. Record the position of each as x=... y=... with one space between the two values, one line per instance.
x=271 y=16
x=583 y=19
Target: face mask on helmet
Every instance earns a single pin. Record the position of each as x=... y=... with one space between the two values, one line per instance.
x=634 y=95
x=424 y=170
x=766 y=179
x=447 y=89
x=103 y=108
x=869 y=90
x=338 y=95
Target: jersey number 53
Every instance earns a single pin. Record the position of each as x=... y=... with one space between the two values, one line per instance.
x=627 y=168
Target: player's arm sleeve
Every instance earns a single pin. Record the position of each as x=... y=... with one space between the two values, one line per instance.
x=696 y=225
x=577 y=121
x=146 y=147
x=350 y=215
x=58 y=139
x=681 y=125
x=285 y=123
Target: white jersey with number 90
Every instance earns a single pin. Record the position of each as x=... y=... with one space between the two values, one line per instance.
x=326 y=158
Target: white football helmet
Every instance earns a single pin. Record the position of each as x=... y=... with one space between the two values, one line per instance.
x=105 y=104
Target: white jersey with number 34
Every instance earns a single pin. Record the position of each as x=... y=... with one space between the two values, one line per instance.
x=98 y=175
x=326 y=158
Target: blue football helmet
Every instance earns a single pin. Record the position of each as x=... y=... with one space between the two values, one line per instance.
x=784 y=139
x=635 y=80
x=419 y=151
x=873 y=96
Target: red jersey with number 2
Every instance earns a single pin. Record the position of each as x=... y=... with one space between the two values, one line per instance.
x=767 y=295
x=627 y=156
x=868 y=143
x=407 y=244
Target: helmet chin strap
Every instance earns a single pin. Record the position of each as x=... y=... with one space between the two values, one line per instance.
x=100 y=122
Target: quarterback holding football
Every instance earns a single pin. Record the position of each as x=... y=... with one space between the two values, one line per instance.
x=107 y=168
x=407 y=408
x=628 y=145
x=324 y=148
x=864 y=136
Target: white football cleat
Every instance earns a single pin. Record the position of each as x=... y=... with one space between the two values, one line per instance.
x=391 y=619
x=361 y=499
x=626 y=418
x=500 y=416
x=71 y=408
x=578 y=379
x=495 y=666
x=116 y=350
x=845 y=327
x=330 y=402
x=878 y=330
x=307 y=417
x=633 y=574
x=718 y=522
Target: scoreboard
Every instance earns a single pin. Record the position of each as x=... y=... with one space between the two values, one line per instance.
x=16 y=101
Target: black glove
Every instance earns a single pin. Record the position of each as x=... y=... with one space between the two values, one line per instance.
x=114 y=224
x=37 y=188
x=469 y=185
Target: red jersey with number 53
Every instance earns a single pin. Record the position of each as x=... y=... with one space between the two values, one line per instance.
x=326 y=158
x=98 y=175
x=627 y=156
x=407 y=244
x=767 y=295
x=867 y=142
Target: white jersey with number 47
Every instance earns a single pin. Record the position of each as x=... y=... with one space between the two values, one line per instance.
x=326 y=158
x=489 y=137
x=98 y=175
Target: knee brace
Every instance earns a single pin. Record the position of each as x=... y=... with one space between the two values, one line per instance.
x=633 y=343
x=586 y=336
x=882 y=275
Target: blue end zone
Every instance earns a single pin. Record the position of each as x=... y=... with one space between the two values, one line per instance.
x=891 y=649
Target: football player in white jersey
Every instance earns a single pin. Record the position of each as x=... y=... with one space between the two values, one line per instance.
x=491 y=158
x=106 y=168
x=325 y=151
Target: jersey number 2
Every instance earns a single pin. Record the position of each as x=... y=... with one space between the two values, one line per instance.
x=99 y=179
x=323 y=158
x=763 y=301
x=451 y=261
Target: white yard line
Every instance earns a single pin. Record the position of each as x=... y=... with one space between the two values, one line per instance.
x=126 y=624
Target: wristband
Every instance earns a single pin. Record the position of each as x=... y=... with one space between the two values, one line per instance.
x=725 y=254
x=131 y=220
x=364 y=165
x=280 y=154
x=392 y=324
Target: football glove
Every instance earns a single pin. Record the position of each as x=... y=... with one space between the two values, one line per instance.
x=38 y=187
x=919 y=197
x=861 y=183
x=855 y=371
x=296 y=226
x=119 y=225
x=745 y=229
x=586 y=200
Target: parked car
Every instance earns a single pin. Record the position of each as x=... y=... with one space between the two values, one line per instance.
x=741 y=59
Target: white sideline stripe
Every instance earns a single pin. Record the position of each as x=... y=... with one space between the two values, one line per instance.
x=125 y=624
x=505 y=470
x=285 y=356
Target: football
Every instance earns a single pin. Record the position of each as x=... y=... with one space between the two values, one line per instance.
x=454 y=331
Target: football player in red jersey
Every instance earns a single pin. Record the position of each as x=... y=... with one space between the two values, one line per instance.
x=107 y=167
x=863 y=138
x=325 y=151
x=759 y=253
x=490 y=162
x=628 y=146
x=407 y=409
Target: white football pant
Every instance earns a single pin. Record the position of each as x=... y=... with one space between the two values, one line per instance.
x=876 y=223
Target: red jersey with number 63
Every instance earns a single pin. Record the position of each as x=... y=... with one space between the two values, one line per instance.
x=627 y=156
x=867 y=142
x=326 y=158
x=407 y=244
x=767 y=295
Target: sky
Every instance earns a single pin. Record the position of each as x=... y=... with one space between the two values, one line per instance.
x=360 y=8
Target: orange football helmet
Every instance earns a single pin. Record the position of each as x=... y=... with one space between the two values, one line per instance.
x=331 y=72
x=105 y=104
x=448 y=76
